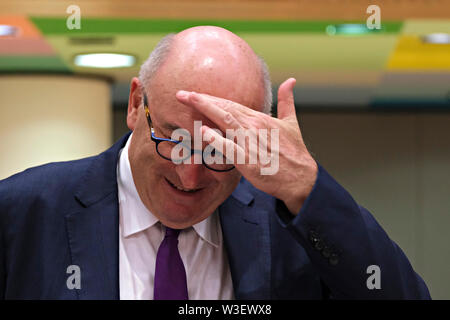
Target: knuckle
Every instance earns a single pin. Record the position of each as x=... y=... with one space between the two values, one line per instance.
x=264 y=121
x=227 y=105
x=258 y=123
x=228 y=118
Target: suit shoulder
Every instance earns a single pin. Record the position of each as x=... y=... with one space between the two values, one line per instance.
x=48 y=178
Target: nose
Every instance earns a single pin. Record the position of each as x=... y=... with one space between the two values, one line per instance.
x=190 y=174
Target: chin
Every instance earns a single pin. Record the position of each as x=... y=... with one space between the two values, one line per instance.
x=183 y=215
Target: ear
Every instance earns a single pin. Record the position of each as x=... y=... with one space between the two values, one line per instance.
x=134 y=103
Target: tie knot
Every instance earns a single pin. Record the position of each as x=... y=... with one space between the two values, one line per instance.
x=172 y=232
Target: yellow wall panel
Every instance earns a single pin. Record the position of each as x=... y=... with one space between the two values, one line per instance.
x=412 y=53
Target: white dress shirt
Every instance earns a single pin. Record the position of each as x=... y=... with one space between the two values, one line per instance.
x=140 y=234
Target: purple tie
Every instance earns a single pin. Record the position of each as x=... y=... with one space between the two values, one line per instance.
x=170 y=276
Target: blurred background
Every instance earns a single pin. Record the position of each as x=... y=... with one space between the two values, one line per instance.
x=373 y=104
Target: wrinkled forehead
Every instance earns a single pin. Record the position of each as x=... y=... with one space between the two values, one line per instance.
x=245 y=88
x=169 y=117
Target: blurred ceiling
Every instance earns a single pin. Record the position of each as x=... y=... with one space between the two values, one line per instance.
x=391 y=67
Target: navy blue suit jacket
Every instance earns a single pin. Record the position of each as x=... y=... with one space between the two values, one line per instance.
x=66 y=213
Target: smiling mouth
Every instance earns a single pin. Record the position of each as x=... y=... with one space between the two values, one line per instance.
x=181 y=188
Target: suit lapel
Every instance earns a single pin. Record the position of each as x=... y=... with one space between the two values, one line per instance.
x=93 y=227
x=246 y=232
x=93 y=232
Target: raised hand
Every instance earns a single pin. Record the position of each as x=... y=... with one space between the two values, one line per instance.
x=292 y=178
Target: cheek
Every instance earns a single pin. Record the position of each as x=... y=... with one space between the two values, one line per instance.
x=157 y=166
x=163 y=166
x=146 y=160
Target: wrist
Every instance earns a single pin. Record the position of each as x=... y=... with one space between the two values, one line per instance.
x=297 y=194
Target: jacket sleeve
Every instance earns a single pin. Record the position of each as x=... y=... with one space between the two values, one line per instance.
x=354 y=256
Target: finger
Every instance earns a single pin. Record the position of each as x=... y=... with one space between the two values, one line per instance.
x=225 y=113
x=232 y=151
x=228 y=105
x=286 y=105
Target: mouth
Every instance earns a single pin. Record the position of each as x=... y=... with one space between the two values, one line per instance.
x=179 y=188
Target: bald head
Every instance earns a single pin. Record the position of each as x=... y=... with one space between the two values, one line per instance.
x=211 y=60
x=210 y=48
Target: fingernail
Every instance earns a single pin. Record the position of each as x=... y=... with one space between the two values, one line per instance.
x=194 y=96
x=182 y=94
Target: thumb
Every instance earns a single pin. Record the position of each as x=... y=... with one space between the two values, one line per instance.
x=286 y=106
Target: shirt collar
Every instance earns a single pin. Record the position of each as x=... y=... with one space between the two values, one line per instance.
x=209 y=229
x=135 y=217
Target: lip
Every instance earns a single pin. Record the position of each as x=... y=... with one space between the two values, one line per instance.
x=182 y=194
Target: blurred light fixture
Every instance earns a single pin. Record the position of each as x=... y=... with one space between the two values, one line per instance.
x=330 y=30
x=437 y=38
x=8 y=31
x=348 y=29
x=104 y=60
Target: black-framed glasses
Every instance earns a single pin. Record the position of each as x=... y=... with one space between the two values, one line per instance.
x=178 y=151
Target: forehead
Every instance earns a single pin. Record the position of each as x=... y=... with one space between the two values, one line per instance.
x=172 y=120
x=167 y=111
x=168 y=114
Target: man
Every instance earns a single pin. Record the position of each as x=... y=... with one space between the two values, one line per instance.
x=133 y=223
